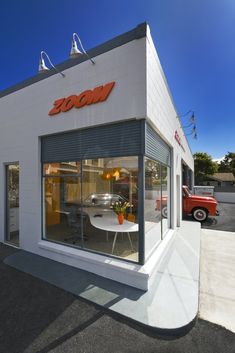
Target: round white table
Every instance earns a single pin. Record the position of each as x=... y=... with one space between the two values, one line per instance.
x=107 y=220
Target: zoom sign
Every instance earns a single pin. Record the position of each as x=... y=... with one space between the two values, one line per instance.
x=88 y=97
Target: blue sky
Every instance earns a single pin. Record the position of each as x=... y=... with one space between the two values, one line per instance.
x=194 y=40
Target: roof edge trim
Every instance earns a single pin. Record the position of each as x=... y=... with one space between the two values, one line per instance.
x=138 y=32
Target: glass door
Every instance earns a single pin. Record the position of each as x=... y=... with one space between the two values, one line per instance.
x=12 y=204
x=63 y=218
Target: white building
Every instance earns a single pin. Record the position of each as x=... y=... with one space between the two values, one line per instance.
x=69 y=145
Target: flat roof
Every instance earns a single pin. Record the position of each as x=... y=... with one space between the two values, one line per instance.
x=136 y=33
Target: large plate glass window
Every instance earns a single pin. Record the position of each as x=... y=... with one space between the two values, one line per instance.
x=156 y=203
x=107 y=183
x=82 y=201
x=12 y=204
x=62 y=200
x=165 y=204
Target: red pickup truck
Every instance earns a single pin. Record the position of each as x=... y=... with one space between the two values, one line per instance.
x=200 y=207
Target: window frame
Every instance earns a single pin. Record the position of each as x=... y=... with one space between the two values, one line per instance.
x=80 y=175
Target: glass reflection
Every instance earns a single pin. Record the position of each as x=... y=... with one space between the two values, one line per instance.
x=63 y=168
x=157 y=203
x=165 y=204
x=12 y=198
x=152 y=205
x=78 y=208
x=107 y=181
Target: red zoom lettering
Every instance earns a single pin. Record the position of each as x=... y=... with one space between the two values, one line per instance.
x=177 y=137
x=98 y=94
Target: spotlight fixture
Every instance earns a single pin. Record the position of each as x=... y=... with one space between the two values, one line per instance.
x=193 y=133
x=42 y=66
x=192 y=124
x=185 y=114
x=75 y=52
x=192 y=119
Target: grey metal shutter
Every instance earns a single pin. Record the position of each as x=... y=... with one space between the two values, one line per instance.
x=114 y=140
x=156 y=148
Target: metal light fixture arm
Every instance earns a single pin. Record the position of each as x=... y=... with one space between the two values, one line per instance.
x=186 y=126
x=194 y=133
x=44 y=53
x=80 y=43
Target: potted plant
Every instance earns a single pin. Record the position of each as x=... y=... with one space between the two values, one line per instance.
x=120 y=208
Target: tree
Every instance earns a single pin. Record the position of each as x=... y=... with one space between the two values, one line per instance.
x=227 y=165
x=203 y=166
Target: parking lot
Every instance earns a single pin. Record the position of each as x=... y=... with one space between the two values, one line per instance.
x=48 y=319
x=225 y=221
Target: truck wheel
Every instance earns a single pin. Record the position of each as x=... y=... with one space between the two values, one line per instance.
x=164 y=212
x=199 y=214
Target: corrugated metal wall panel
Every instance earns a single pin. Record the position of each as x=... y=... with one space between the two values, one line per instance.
x=122 y=139
x=156 y=148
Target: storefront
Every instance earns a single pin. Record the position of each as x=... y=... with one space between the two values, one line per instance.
x=76 y=149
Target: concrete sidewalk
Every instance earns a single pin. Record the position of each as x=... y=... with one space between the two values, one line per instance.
x=217 y=277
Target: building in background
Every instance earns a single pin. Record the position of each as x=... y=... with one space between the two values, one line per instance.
x=220 y=179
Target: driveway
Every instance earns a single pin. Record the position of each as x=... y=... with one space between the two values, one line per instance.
x=38 y=317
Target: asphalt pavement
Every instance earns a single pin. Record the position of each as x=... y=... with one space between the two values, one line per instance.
x=38 y=317
x=226 y=219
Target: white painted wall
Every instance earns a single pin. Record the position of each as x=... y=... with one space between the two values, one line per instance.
x=24 y=117
x=162 y=114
